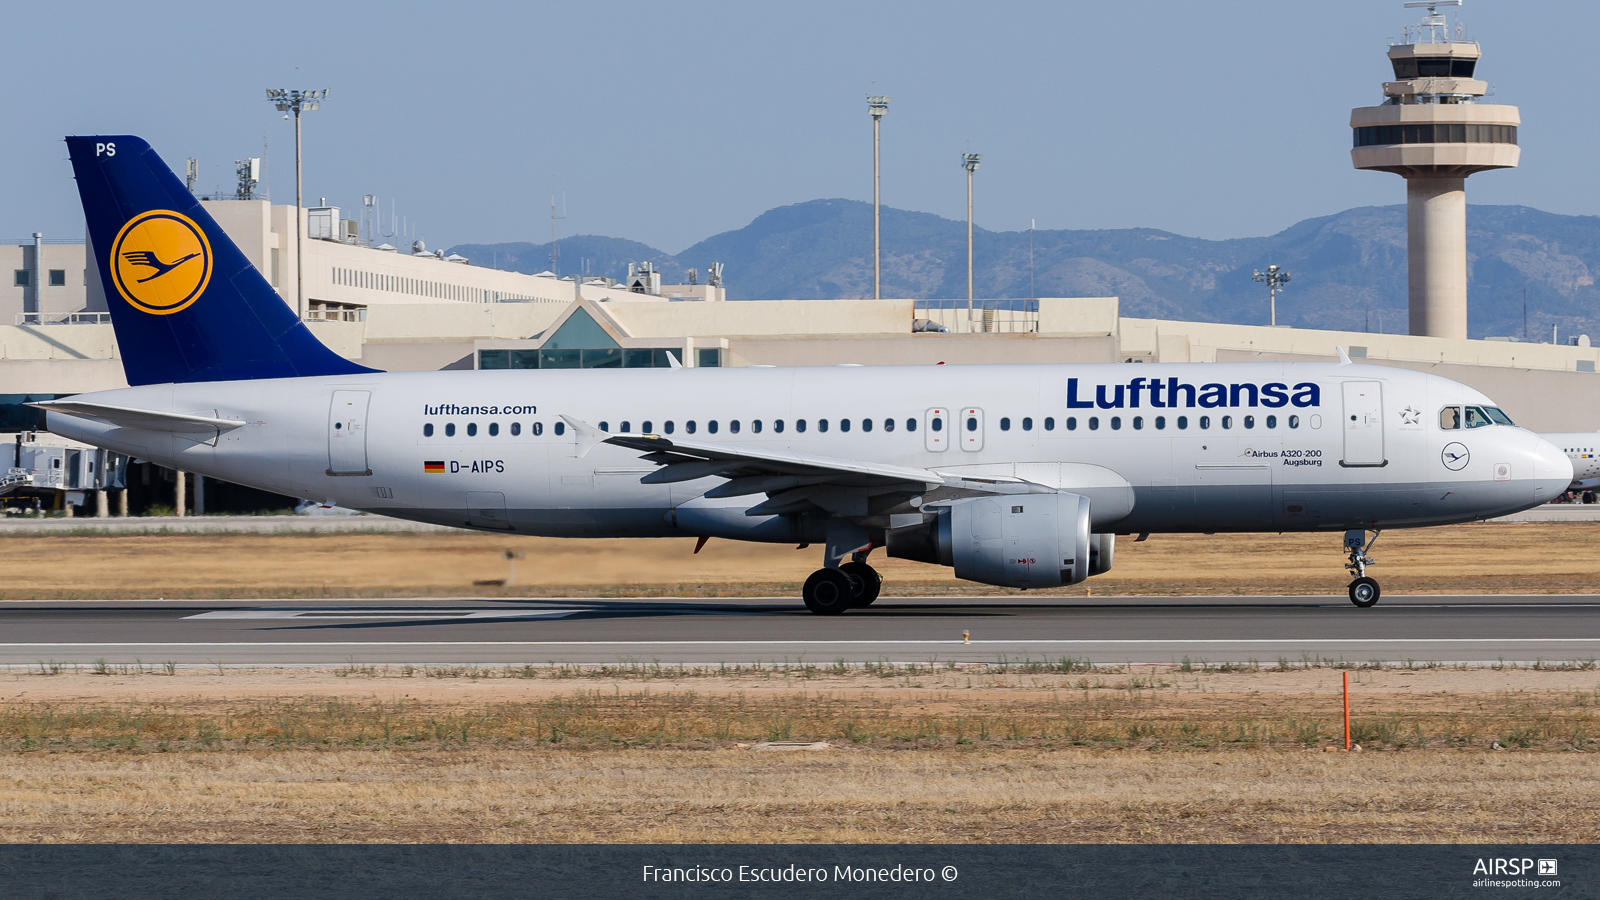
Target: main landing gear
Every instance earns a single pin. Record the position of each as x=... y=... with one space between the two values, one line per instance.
x=1364 y=591
x=829 y=592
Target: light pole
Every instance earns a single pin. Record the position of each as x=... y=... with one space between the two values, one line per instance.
x=877 y=105
x=969 y=161
x=1274 y=278
x=296 y=101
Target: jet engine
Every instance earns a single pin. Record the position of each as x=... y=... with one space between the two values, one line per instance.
x=1102 y=550
x=1020 y=540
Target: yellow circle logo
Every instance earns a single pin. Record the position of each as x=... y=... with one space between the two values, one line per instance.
x=161 y=262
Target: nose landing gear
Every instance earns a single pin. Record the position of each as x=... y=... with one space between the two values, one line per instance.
x=1364 y=591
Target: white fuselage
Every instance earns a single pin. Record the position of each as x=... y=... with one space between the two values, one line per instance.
x=1218 y=447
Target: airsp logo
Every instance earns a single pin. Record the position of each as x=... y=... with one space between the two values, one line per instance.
x=161 y=262
x=1455 y=456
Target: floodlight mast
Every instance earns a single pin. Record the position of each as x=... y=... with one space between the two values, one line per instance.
x=877 y=106
x=1274 y=278
x=297 y=101
x=969 y=161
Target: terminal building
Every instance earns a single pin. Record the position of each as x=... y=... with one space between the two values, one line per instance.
x=411 y=309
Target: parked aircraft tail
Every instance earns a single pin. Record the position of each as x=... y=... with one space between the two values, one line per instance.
x=185 y=302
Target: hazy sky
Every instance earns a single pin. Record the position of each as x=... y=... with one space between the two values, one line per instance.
x=668 y=122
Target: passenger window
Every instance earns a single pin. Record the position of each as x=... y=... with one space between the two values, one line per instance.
x=1183 y=422
x=427 y=430
x=711 y=426
x=888 y=424
x=755 y=426
x=1249 y=421
x=1138 y=423
x=1205 y=421
x=1072 y=423
x=472 y=429
x=866 y=424
x=668 y=426
x=822 y=424
x=733 y=427
x=516 y=428
x=1476 y=417
x=1027 y=424
x=1094 y=423
x=604 y=426
x=647 y=428
x=561 y=428
x=626 y=427
x=1450 y=418
x=911 y=425
x=689 y=426
x=1116 y=423
x=938 y=424
x=1161 y=422
x=1227 y=421
x=1049 y=424
x=799 y=425
x=1294 y=421
x=538 y=429
x=1272 y=421
x=844 y=425
x=972 y=423
x=494 y=428
x=1005 y=424
x=777 y=426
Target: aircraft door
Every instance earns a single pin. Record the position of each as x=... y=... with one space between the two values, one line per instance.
x=487 y=509
x=1363 y=424
x=971 y=422
x=936 y=429
x=347 y=433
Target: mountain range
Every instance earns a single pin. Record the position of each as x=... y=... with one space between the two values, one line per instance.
x=1348 y=270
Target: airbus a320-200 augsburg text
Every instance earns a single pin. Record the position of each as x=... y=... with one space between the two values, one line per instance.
x=1018 y=476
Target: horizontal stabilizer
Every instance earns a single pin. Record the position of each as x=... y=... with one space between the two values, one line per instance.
x=147 y=419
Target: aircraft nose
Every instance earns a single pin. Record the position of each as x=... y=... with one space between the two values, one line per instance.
x=1552 y=470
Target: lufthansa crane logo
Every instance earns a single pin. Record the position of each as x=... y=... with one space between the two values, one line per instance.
x=1455 y=456
x=161 y=262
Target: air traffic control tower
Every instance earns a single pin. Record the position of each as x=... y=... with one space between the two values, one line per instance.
x=1433 y=130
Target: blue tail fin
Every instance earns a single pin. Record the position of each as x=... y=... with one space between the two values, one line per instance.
x=185 y=302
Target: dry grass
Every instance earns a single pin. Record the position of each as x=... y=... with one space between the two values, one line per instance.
x=1532 y=558
x=920 y=756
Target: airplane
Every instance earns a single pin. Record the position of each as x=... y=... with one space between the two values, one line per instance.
x=1583 y=449
x=1020 y=476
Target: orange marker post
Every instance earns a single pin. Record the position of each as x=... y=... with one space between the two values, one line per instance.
x=1347 y=710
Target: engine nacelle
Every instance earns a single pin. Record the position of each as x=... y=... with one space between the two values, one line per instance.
x=1102 y=552
x=1021 y=540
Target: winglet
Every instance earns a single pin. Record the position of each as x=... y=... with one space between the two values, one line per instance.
x=672 y=360
x=1344 y=358
x=587 y=435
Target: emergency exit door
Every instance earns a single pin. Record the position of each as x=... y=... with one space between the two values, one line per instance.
x=1363 y=424
x=347 y=433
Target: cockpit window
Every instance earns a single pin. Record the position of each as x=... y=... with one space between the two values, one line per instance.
x=1496 y=416
x=1450 y=418
x=1477 y=417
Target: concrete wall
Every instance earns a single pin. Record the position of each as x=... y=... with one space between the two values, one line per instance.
x=70 y=297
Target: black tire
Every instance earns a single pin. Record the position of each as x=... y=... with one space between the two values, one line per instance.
x=866 y=581
x=1364 y=592
x=828 y=592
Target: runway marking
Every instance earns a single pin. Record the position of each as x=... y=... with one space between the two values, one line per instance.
x=377 y=613
x=939 y=643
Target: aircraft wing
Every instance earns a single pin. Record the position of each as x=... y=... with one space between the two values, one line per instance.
x=147 y=419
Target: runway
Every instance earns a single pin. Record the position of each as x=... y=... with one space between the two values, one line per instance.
x=1104 y=630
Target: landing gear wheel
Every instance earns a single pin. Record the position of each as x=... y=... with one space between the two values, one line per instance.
x=866 y=580
x=828 y=592
x=1364 y=592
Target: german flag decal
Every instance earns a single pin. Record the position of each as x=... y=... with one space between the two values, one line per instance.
x=433 y=467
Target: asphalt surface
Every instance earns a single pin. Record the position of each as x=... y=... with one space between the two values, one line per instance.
x=1470 y=629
